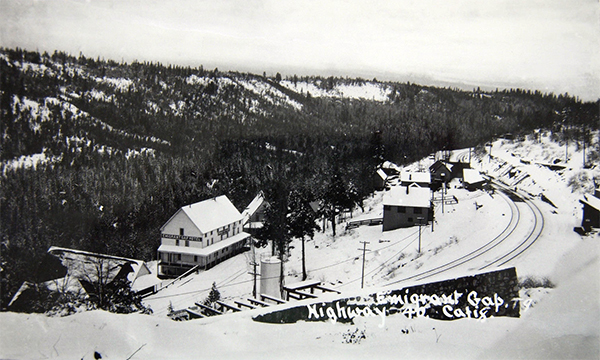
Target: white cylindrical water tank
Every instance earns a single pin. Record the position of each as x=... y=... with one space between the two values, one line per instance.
x=270 y=271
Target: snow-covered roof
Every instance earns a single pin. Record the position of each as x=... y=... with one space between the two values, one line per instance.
x=438 y=164
x=472 y=176
x=206 y=250
x=417 y=177
x=390 y=165
x=82 y=264
x=253 y=207
x=382 y=174
x=413 y=195
x=211 y=214
x=592 y=201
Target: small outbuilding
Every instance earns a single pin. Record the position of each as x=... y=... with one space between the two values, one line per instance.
x=380 y=180
x=440 y=172
x=472 y=179
x=591 y=211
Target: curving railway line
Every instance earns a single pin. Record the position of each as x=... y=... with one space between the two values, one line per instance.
x=528 y=241
x=495 y=252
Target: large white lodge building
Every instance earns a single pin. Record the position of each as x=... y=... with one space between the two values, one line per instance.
x=204 y=234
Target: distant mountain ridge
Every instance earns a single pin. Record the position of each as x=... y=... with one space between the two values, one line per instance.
x=128 y=105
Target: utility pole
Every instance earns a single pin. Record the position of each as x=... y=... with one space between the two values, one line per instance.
x=254 y=273
x=469 y=155
x=443 y=188
x=567 y=150
x=584 y=153
x=364 y=250
x=254 y=264
x=420 y=218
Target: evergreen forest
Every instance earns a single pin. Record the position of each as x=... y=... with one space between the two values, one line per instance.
x=97 y=155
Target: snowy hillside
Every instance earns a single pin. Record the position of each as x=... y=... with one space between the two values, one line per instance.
x=533 y=208
x=361 y=90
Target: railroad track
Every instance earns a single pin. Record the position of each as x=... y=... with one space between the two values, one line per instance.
x=529 y=240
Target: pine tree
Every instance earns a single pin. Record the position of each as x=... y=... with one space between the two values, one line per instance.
x=302 y=221
x=213 y=296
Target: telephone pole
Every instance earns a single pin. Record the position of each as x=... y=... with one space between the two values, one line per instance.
x=364 y=250
x=420 y=218
x=254 y=264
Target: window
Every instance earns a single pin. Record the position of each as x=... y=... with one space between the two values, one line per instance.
x=402 y=209
x=195 y=258
x=176 y=242
x=387 y=207
x=187 y=243
x=181 y=231
x=418 y=210
x=179 y=257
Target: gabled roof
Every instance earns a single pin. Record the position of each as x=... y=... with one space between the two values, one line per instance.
x=472 y=176
x=414 y=196
x=439 y=164
x=254 y=205
x=417 y=177
x=591 y=200
x=210 y=214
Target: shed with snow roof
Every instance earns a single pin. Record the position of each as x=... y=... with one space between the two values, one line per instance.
x=591 y=211
x=390 y=168
x=201 y=234
x=406 y=206
x=472 y=179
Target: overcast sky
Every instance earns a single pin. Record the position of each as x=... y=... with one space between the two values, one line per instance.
x=549 y=45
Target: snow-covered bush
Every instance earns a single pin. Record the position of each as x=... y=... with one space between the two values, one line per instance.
x=354 y=336
x=580 y=182
x=531 y=282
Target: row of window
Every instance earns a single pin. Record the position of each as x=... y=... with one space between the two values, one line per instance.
x=228 y=227
x=402 y=209
x=177 y=257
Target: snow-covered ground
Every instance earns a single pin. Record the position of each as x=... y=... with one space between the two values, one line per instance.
x=367 y=90
x=562 y=322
